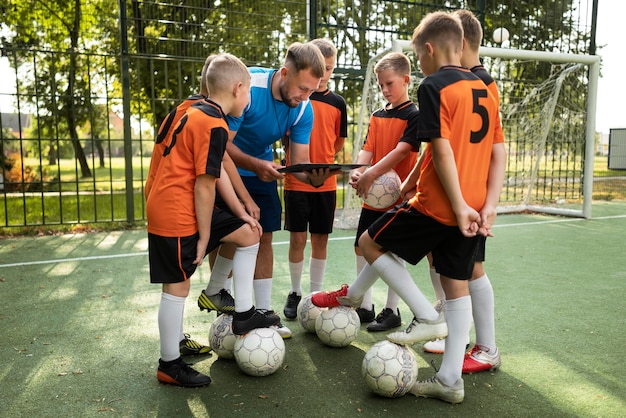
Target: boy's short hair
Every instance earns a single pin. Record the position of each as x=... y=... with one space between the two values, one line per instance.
x=440 y=28
x=395 y=61
x=205 y=67
x=326 y=47
x=306 y=57
x=223 y=71
x=472 y=29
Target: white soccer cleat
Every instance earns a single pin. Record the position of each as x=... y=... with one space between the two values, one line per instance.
x=435 y=388
x=421 y=330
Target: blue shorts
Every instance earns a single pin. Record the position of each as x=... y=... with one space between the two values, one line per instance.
x=265 y=195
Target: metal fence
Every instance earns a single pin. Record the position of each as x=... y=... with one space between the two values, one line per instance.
x=81 y=104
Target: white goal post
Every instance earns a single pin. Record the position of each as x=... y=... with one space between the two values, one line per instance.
x=576 y=67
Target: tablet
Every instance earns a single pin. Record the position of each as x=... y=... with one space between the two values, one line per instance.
x=313 y=166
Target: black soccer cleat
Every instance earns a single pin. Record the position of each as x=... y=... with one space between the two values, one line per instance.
x=179 y=373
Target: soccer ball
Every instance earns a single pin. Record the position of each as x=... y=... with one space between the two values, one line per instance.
x=260 y=352
x=308 y=313
x=221 y=337
x=338 y=326
x=384 y=191
x=389 y=369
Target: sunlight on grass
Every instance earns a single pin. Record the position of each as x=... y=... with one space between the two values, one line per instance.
x=567 y=389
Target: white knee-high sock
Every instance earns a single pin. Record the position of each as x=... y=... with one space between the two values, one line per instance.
x=392 y=300
x=361 y=262
x=483 y=312
x=244 y=262
x=392 y=297
x=363 y=283
x=295 y=273
x=263 y=293
x=436 y=281
x=317 y=268
x=228 y=284
x=219 y=274
x=395 y=274
x=171 y=310
x=458 y=314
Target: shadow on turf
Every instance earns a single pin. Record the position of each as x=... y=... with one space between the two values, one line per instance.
x=320 y=381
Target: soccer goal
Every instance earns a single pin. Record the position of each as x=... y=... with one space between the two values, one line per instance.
x=549 y=128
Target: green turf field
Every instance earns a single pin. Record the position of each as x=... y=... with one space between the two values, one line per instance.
x=80 y=338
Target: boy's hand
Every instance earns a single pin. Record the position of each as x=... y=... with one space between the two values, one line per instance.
x=363 y=183
x=354 y=177
x=318 y=176
x=468 y=221
x=407 y=190
x=252 y=209
x=201 y=250
x=487 y=219
x=254 y=224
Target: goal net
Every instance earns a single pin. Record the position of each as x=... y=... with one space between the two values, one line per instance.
x=547 y=103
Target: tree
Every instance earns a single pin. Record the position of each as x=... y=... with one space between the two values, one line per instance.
x=54 y=45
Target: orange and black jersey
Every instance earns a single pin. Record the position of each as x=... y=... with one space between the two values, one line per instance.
x=329 y=123
x=195 y=147
x=455 y=105
x=165 y=130
x=484 y=75
x=388 y=127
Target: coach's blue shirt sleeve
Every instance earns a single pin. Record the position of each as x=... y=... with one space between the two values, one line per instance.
x=300 y=133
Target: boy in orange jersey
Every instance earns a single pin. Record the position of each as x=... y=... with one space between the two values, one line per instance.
x=484 y=355
x=184 y=225
x=217 y=297
x=391 y=143
x=460 y=179
x=309 y=205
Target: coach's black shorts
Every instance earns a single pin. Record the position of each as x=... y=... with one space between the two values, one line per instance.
x=315 y=209
x=411 y=235
x=171 y=258
x=366 y=219
x=265 y=195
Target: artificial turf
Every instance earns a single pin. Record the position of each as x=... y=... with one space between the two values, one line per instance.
x=80 y=338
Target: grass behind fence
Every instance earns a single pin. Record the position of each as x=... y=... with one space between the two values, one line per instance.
x=71 y=200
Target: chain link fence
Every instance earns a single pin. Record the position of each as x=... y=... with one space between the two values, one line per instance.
x=84 y=90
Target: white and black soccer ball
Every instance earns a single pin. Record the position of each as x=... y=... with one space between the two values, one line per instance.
x=384 y=191
x=308 y=313
x=260 y=352
x=221 y=337
x=338 y=326
x=389 y=369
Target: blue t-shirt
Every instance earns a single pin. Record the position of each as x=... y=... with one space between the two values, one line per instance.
x=265 y=120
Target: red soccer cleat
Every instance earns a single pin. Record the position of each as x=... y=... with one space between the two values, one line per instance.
x=479 y=359
x=329 y=299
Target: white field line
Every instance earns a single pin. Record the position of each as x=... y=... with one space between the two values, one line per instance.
x=145 y=253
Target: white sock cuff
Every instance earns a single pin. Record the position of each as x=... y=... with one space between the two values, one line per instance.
x=251 y=249
x=459 y=304
x=174 y=299
x=480 y=283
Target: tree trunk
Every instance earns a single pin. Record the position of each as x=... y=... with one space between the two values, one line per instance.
x=79 y=152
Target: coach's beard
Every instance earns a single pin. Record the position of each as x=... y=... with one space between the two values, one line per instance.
x=286 y=99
